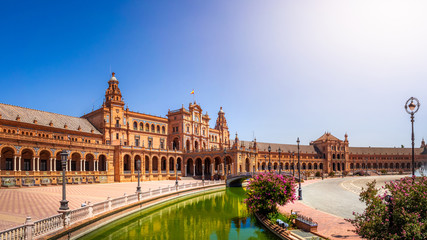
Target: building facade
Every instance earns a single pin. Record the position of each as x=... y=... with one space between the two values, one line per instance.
x=107 y=144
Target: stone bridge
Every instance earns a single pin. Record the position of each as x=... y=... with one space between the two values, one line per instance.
x=236 y=180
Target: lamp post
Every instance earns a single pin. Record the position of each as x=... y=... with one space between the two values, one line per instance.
x=299 y=174
x=176 y=175
x=293 y=164
x=64 y=202
x=269 y=158
x=138 y=165
x=280 y=167
x=413 y=108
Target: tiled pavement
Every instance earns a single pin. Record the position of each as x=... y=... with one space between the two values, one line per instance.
x=41 y=202
x=330 y=226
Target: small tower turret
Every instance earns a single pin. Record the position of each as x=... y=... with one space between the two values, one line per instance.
x=113 y=94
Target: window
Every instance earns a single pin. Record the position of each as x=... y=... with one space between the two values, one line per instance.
x=137 y=141
x=150 y=142
x=117 y=136
x=135 y=126
x=152 y=128
x=162 y=143
x=9 y=164
x=141 y=127
x=158 y=129
x=163 y=130
x=27 y=164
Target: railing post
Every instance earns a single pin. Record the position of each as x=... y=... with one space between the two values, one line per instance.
x=90 y=214
x=109 y=203
x=29 y=226
x=160 y=190
x=149 y=191
x=126 y=198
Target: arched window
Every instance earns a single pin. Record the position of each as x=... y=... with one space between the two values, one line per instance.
x=135 y=125
x=158 y=129
x=163 y=130
x=152 y=128
x=141 y=127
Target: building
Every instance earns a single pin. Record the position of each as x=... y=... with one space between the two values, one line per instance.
x=107 y=144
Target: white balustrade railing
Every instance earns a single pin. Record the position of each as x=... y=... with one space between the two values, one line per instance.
x=47 y=225
x=14 y=233
x=39 y=228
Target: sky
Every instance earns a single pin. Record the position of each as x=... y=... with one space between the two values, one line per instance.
x=280 y=69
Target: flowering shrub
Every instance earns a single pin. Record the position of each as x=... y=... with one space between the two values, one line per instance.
x=266 y=190
x=404 y=218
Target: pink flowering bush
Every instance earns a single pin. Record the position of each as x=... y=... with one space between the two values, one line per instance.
x=266 y=190
x=404 y=218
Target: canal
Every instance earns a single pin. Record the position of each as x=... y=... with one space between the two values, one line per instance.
x=213 y=215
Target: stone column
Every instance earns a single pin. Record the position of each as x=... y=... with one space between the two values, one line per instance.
x=203 y=170
x=84 y=164
x=19 y=163
x=222 y=169
x=51 y=164
x=69 y=167
x=14 y=163
x=38 y=164
x=54 y=164
x=185 y=170
x=212 y=169
x=167 y=166
x=194 y=169
x=34 y=164
x=81 y=163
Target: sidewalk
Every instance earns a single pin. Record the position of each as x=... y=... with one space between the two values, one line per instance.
x=329 y=225
x=42 y=202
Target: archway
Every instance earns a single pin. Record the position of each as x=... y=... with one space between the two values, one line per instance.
x=75 y=162
x=247 y=165
x=171 y=165
x=163 y=165
x=26 y=158
x=102 y=163
x=126 y=163
x=90 y=163
x=178 y=160
x=208 y=167
x=135 y=162
x=175 y=144
x=189 y=169
x=147 y=164
x=7 y=157
x=45 y=164
x=155 y=164
x=196 y=145
x=198 y=167
x=188 y=145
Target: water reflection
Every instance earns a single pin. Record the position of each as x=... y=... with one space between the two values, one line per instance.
x=219 y=215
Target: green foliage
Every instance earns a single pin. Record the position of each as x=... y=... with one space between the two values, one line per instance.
x=345 y=173
x=318 y=174
x=287 y=219
x=266 y=190
x=383 y=171
x=331 y=174
x=404 y=218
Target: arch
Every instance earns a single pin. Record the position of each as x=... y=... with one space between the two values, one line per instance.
x=408 y=165
x=188 y=145
x=357 y=165
x=263 y=166
x=190 y=169
x=196 y=145
x=135 y=163
x=147 y=164
x=7 y=157
x=126 y=163
x=402 y=165
x=141 y=126
x=380 y=165
x=153 y=128
x=179 y=162
x=369 y=165
x=342 y=166
x=386 y=165
x=158 y=129
x=286 y=166
x=147 y=127
x=135 y=125
x=351 y=166
x=217 y=162
x=163 y=130
x=374 y=165
x=333 y=156
x=44 y=160
x=171 y=164
x=315 y=166
x=208 y=167
x=27 y=162
x=90 y=162
x=163 y=165
x=304 y=166
x=198 y=167
x=155 y=164
x=102 y=163
x=309 y=166
x=281 y=166
x=247 y=165
x=321 y=166
x=275 y=166
x=333 y=167
x=175 y=144
x=75 y=161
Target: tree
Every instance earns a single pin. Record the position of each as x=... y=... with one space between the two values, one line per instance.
x=403 y=217
x=266 y=190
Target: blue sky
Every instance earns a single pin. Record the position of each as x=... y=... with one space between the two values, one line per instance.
x=280 y=69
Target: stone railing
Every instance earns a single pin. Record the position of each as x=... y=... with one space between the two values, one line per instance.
x=32 y=230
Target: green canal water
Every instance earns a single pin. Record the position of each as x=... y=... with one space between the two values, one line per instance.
x=213 y=215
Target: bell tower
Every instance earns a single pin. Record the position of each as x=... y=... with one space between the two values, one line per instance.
x=221 y=126
x=113 y=96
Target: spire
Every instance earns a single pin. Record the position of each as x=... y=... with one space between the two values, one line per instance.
x=423 y=143
x=113 y=94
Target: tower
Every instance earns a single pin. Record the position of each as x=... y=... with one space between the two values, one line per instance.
x=221 y=126
x=113 y=96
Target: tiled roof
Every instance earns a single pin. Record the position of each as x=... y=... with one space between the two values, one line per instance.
x=327 y=136
x=26 y=115
x=284 y=147
x=384 y=151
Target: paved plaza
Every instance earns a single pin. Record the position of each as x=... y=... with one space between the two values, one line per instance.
x=330 y=201
x=42 y=202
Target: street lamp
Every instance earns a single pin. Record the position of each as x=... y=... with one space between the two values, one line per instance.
x=138 y=165
x=176 y=175
x=299 y=174
x=64 y=202
x=293 y=163
x=280 y=167
x=269 y=158
x=413 y=108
